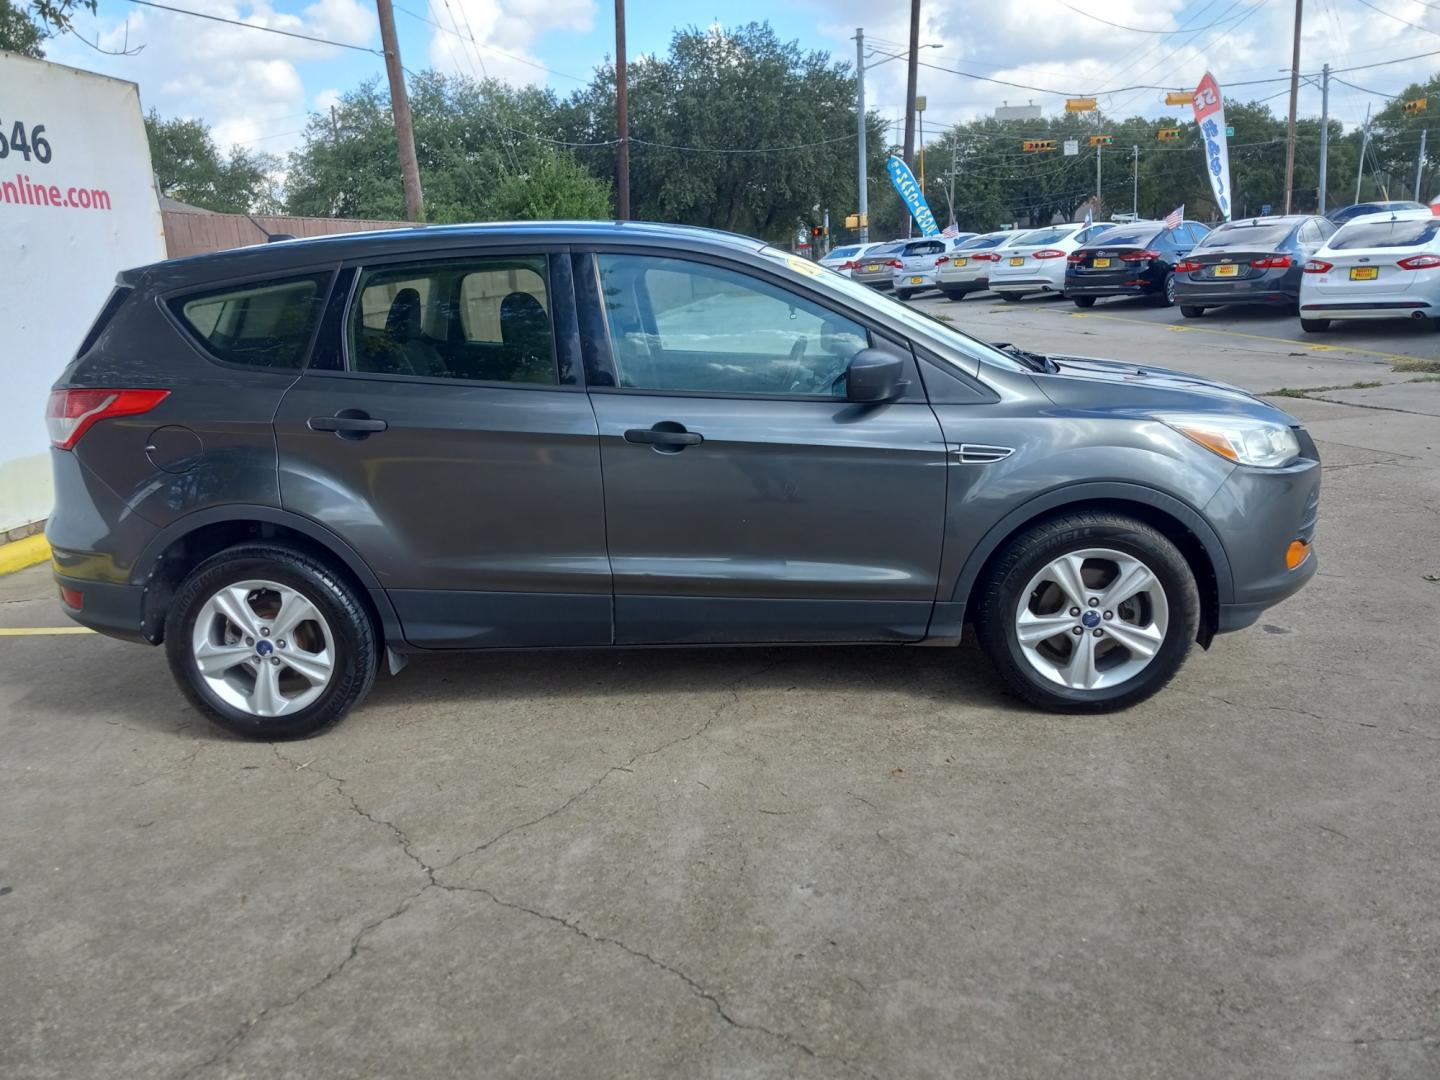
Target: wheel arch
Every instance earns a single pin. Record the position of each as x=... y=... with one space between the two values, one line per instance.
x=184 y=544
x=1181 y=523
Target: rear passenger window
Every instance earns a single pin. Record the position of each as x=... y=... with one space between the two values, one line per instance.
x=265 y=325
x=481 y=319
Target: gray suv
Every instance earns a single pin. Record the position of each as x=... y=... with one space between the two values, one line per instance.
x=291 y=465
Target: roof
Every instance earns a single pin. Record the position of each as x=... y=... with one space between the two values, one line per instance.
x=285 y=255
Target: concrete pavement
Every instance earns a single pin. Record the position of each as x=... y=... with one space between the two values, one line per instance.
x=812 y=863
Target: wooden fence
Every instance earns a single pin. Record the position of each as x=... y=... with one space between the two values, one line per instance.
x=189 y=233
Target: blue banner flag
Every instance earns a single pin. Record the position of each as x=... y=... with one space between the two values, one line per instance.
x=911 y=195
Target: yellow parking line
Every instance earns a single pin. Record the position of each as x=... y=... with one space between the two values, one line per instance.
x=22 y=553
x=1313 y=347
x=42 y=631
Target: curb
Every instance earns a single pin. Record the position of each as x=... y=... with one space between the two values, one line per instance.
x=22 y=553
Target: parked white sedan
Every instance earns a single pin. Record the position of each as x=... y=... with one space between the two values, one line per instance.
x=967 y=268
x=1380 y=266
x=914 y=267
x=1034 y=262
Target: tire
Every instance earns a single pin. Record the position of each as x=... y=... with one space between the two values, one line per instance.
x=1083 y=301
x=1314 y=326
x=953 y=294
x=1166 y=296
x=1011 y=298
x=1171 y=605
x=903 y=294
x=1191 y=311
x=341 y=630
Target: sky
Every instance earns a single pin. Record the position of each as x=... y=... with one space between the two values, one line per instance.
x=257 y=89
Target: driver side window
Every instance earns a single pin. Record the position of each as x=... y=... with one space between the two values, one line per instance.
x=688 y=326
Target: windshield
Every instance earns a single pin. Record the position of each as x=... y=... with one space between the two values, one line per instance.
x=1040 y=237
x=1264 y=234
x=853 y=294
x=984 y=242
x=1386 y=234
x=1129 y=234
x=844 y=252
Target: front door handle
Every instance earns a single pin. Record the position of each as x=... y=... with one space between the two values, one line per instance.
x=348 y=424
x=666 y=437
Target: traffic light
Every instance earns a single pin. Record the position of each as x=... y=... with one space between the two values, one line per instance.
x=1101 y=140
x=1180 y=97
x=1419 y=105
x=817 y=231
x=1031 y=146
x=1168 y=135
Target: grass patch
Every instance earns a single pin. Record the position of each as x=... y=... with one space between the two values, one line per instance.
x=1305 y=392
x=1425 y=378
x=1414 y=363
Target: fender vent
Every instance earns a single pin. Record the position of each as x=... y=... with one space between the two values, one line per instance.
x=977 y=454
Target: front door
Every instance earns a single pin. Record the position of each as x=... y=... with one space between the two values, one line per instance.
x=454 y=453
x=746 y=500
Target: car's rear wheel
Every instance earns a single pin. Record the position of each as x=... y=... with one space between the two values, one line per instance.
x=1314 y=326
x=270 y=643
x=1088 y=612
x=1166 y=296
x=953 y=294
x=1191 y=311
x=902 y=294
x=1084 y=301
x=1012 y=298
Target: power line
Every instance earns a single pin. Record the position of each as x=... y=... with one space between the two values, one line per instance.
x=487 y=45
x=1137 y=29
x=1413 y=26
x=254 y=26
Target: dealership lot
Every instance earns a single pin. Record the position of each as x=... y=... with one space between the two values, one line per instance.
x=825 y=863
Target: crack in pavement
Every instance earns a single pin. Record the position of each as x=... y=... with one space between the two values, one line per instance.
x=242 y=1033
x=691 y=984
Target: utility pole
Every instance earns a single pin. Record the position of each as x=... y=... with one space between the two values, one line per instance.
x=1324 y=132
x=1294 y=96
x=1135 y=176
x=1099 y=154
x=622 y=119
x=1420 y=164
x=400 y=109
x=862 y=181
x=912 y=73
x=920 y=119
x=1364 y=145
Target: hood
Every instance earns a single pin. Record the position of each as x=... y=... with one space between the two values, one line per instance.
x=1084 y=382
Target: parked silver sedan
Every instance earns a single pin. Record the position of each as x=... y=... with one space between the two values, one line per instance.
x=877 y=265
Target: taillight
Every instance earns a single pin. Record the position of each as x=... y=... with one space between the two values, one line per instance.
x=848 y=265
x=985 y=256
x=1049 y=253
x=942 y=260
x=1078 y=259
x=70 y=413
x=1188 y=266
x=74 y=599
x=1139 y=256
x=1318 y=266
x=897 y=264
x=1272 y=262
x=1419 y=262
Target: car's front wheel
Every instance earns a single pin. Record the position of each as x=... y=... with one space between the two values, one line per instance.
x=270 y=643
x=1088 y=612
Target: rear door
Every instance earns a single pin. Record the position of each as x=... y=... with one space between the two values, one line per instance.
x=746 y=500
x=443 y=431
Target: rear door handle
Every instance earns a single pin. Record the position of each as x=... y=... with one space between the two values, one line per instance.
x=348 y=423
x=664 y=436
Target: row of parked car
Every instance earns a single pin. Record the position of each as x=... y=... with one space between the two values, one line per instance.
x=1364 y=262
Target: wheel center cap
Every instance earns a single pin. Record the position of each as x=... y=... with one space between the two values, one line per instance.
x=264 y=648
x=1091 y=619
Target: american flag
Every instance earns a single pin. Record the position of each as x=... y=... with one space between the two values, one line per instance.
x=1175 y=217
x=1089 y=217
x=950 y=230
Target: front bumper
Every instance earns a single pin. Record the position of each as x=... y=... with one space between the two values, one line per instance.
x=1258 y=514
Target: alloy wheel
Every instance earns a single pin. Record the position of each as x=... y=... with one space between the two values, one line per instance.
x=1092 y=619
x=263 y=647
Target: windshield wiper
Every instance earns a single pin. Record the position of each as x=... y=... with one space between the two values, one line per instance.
x=1034 y=361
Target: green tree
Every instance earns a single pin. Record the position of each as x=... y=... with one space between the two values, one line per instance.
x=189 y=167
x=19 y=33
x=554 y=186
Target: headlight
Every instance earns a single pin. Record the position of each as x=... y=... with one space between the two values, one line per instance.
x=1241 y=439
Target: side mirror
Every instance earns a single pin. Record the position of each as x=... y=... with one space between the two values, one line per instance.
x=874 y=376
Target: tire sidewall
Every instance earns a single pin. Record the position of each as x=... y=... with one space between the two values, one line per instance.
x=353 y=643
x=1181 y=596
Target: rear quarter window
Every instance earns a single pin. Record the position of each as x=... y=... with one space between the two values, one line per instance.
x=262 y=324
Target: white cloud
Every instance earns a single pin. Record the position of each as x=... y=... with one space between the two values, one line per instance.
x=503 y=31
